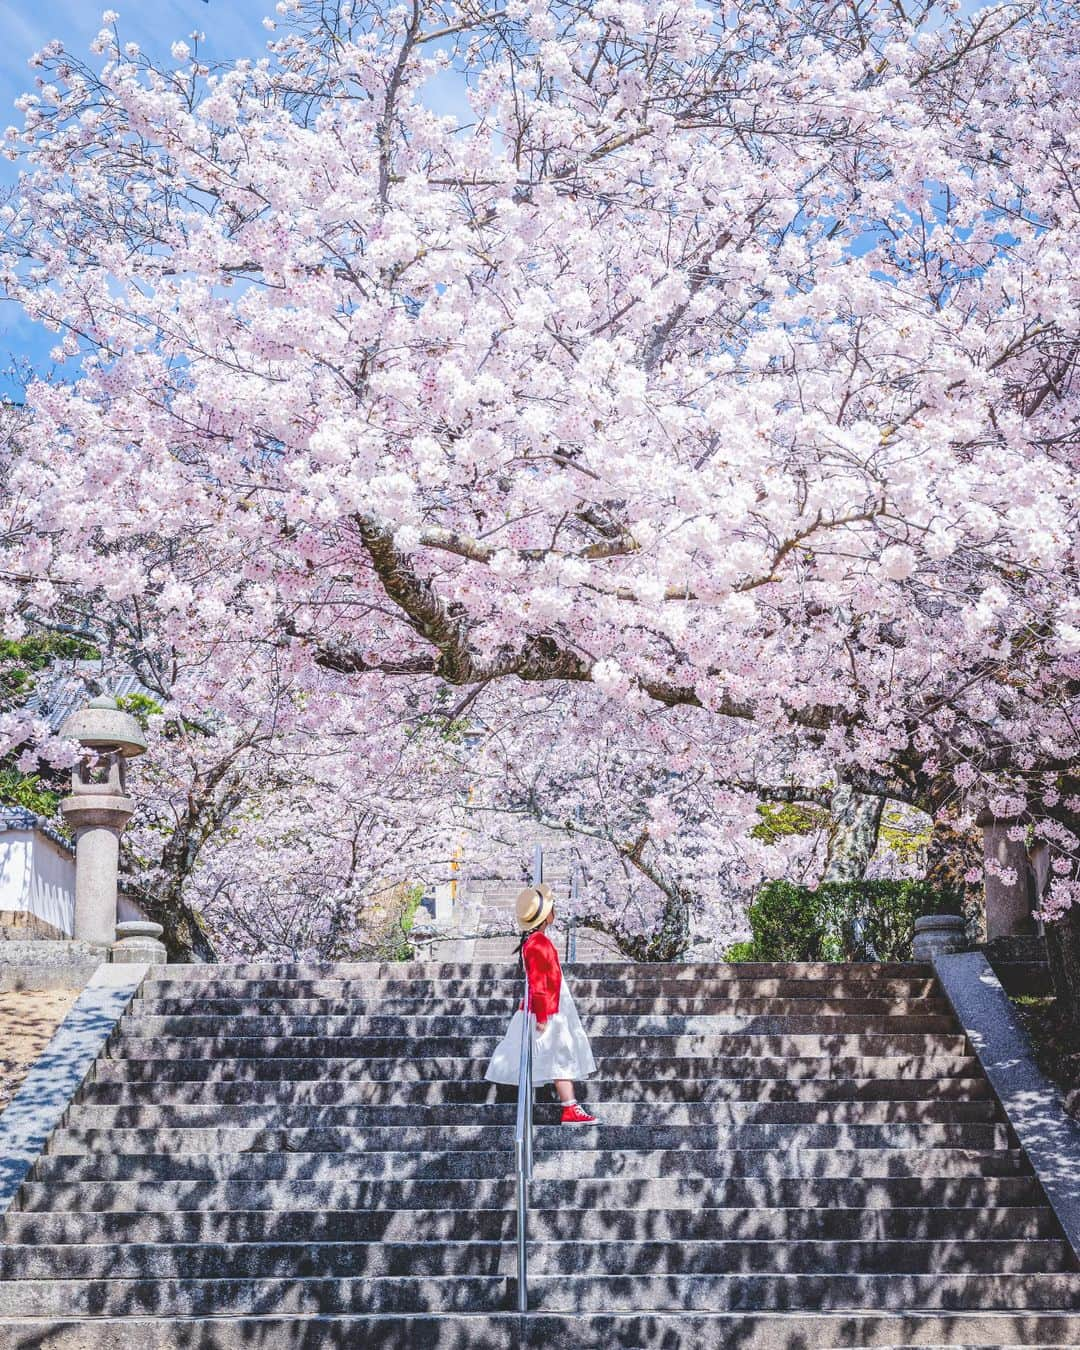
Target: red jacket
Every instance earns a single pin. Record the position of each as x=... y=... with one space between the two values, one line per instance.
x=545 y=975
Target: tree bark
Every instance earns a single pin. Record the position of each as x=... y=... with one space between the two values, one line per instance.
x=668 y=943
x=184 y=937
x=951 y=855
x=853 y=833
x=1063 y=951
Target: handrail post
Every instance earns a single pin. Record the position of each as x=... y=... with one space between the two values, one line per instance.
x=571 y=927
x=523 y=1150
x=529 y=1102
x=522 y=1233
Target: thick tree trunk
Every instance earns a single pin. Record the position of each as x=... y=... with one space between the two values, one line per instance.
x=668 y=943
x=1063 y=950
x=952 y=853
x=184 y=937
x=1063 y=935
x=1009 y=903
x=853 y=833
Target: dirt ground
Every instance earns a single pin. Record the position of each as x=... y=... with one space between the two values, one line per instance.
x=27 y=1020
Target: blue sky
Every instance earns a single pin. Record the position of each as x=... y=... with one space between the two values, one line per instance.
x=233 y=28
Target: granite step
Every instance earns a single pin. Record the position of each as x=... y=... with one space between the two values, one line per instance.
x=896 y=1291
x=746 y=1045
x=674 y=1069
x=66 y=1298
x=598 y=1004
x=627 y=1257
x=618 y=1192
x=114 y=1088
x=296 y=1115
x=383 y=1258
x=437 y=1027
x=700 y=1330
x=569 y=1164
x=692 y=972
x=968 y=1223
x=508 y=987
x=355 y=1139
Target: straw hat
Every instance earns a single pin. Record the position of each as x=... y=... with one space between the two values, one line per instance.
x=533 y=905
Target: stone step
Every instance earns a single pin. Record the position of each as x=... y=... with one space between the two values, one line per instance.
x=674 y=1069
x=459 y=1029
x=569 y=1163
x=968 y=1330
x=899 y=1292
x=598 y=1004
x=1024 y=978
x=312 y=1147
x=246 y=1115
x=620 y=1193
x=230 y=1297
x=790 y=1257
x=1014 y=1223
x=116 y=1089
x=353 y=1139
x=634 y=985
x=746 y=1045
x=383 y=1258
x=847 y=973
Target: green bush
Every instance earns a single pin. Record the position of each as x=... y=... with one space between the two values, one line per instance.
x=839 y=920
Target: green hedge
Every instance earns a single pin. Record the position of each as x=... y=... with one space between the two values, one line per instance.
x=839 y=920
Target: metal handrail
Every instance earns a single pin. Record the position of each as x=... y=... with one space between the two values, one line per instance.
x=523 y=1150
x=571 y=928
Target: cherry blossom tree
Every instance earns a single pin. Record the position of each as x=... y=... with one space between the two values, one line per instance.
x=666 y=851
x=720 y=359
x=275 y=803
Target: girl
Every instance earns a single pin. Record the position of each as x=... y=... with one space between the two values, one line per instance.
x=561 y=1049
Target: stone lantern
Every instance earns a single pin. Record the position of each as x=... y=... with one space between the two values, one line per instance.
x=98 y=809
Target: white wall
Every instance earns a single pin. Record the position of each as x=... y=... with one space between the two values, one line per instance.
x=37 y=877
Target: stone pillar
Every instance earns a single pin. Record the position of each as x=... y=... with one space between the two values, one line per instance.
x=443 y=903
x=1009 y=905
x=98 y=809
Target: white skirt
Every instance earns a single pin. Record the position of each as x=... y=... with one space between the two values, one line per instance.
x=561 y=1050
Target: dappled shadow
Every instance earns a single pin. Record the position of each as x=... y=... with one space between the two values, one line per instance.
x=548 y=1331
x=28 y=1019
x=260 y=1154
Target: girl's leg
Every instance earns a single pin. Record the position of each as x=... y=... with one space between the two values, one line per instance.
x=573 y=1112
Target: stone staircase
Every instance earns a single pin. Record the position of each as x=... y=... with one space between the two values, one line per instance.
x=791 y=1156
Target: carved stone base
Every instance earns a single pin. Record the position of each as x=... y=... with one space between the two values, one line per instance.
x=938 y=933
x=139 y=941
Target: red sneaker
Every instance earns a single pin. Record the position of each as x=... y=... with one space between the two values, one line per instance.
x=577 y=1115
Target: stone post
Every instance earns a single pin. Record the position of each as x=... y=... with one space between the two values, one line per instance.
x=1009 y=905
x=98 y=809
x=139 y=941
x=937 y=934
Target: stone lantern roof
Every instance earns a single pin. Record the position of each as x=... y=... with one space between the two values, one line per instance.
x=102 y=726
